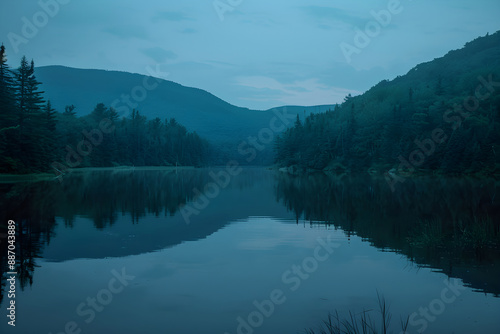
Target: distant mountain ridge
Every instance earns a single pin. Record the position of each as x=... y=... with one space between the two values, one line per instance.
x=199 y=110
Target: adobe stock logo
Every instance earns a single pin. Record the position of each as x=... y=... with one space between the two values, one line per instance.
x=87 y=309
x=31 y=28
x=292 y=279
x=429 y=313
x=372 y=29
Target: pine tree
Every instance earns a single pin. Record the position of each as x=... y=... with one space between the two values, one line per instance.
x=7 y=101
x=48 y=131
x=8 y=120
x=35 y=101
x=69 y=111
x=30 y=150
x=99 y=112
x=22 y=77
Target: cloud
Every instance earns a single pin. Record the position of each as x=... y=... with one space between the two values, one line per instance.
x=303 y=92
x=171 y=16
x=159 y=54
x=266 y=95
x=329 y=14
x=127 y=31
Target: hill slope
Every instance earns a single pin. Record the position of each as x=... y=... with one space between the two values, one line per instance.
x=443 y=115
x=197 y=109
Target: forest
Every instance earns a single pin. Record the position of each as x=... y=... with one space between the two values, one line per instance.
x=34 y=137
x=443 y=116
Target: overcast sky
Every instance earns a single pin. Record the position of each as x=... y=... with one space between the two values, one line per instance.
x=252 y=53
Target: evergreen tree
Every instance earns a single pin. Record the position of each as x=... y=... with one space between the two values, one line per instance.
x=30 y=137
x=23 y=74
x=35 y=137
x=7 y=101
x=8 y=120
x=69 y=110
x=49 y=133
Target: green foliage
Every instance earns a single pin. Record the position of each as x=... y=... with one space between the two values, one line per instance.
x=372 y=130
x=33 y=135
x=7 y=112
x=133 y=141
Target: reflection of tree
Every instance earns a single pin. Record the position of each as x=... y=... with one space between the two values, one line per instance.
x=3 y=264
x=100 y=196
x=31 y=207
x=442 y=222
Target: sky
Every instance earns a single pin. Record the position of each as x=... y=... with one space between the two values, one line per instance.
x=257 y=54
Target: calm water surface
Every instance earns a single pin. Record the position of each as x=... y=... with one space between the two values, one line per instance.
x=112 y=252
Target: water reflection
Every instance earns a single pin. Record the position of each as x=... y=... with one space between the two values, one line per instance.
x=450 y=224
x=103 y=197
x=115 y=201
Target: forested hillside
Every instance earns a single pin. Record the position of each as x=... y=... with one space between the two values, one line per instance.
x=34 y=137
x=211 y=117
x=224 y=125
x=443 y=115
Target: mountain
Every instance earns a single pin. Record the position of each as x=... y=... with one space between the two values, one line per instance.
x=200 y=111
x=443 y=115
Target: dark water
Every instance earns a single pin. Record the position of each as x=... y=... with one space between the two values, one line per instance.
x=144 y=252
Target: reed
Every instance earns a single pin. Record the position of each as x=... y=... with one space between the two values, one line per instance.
x=360 y=323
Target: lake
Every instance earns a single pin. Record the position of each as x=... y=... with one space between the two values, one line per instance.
x=255 y=251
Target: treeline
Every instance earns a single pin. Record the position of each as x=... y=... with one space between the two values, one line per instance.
x=35 y=138
x=102 y=139
x=443 y=115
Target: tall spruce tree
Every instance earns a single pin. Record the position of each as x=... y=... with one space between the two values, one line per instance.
x=48 y=134
x=7 y=101
x=8 y=121
x=31 y=136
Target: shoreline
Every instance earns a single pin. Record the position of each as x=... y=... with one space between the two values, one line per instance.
x=36 y=177
x=376 y=171
x=290 y=170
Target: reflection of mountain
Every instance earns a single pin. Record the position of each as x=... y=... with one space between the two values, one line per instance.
x=121 y=213
x=100 y=196
x=117 y=214
x=449 y=224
